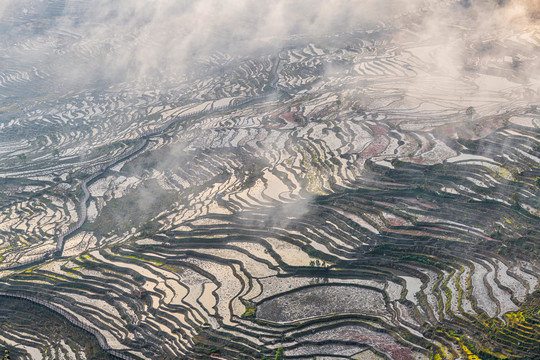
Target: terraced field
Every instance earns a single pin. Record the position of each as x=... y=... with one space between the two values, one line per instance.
x=343 y=197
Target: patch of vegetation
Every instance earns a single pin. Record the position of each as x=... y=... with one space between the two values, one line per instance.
x=279 y=354
x=133 y=209
x=251 y=309
x=174 y=268
x=252 y=172
x=423 y=260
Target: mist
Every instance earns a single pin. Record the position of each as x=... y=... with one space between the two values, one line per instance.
x=104 y=42
x=138 y=40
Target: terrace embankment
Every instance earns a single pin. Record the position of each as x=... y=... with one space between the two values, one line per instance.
x=64 y=340
x=416 y=260
x=347 y=201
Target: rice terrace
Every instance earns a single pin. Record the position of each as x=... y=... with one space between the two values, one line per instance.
x=235 y=179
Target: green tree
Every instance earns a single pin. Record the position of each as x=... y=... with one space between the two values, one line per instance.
x=279 y=354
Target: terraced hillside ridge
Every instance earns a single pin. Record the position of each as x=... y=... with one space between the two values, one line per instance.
x=365 y=194
x=61 y=339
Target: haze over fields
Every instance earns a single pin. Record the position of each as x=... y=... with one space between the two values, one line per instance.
x=283 y=180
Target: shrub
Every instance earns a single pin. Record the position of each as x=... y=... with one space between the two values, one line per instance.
x=279 y=354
